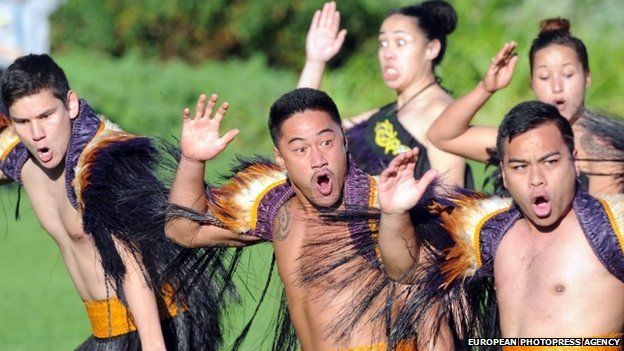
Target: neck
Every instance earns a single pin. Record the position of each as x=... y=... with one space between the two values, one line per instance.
x=416 y=89
x=52 y=173
x=308 y=208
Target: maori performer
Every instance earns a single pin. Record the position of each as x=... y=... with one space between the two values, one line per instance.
x=94 y=189
x=283 y=203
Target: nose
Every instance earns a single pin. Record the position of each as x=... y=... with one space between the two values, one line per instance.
x=557 y=85
x=387 y=53
x=537 y=177
x=37 y=130
x=318 y=158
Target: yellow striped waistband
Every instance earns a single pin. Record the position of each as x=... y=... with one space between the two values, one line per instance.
x=111 y=318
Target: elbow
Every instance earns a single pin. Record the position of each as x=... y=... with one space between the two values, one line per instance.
x=175 y=231
x=434 y=138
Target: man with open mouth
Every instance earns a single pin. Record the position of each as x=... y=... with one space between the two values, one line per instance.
x=77 y=169
x=542 y=264
x=284 y=203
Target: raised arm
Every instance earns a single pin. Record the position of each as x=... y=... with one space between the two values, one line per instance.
x=451 y=132
x=200 y=141
x=398 y=192
x=323 y=42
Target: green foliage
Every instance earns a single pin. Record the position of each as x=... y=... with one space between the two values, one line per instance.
x=196 y=30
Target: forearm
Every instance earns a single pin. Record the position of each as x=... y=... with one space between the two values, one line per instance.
x=188 y=190
x=398 y=244
x=448 y=129
x=142 y=304
x=311 y=75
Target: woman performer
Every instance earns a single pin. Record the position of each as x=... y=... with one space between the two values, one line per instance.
x=560 y=76
x=412 y=42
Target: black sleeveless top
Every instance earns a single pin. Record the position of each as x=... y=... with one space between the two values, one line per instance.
x=376 y=141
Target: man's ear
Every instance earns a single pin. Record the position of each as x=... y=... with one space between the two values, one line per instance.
x=433 y=49
x=278 y=158
x=500 y=165
x=73 y=104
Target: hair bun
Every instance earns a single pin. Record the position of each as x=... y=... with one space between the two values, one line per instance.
x=555 y=24
x=444 y=14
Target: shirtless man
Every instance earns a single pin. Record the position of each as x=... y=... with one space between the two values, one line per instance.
x=553 y=254
x=48 y=130
x=310 y=147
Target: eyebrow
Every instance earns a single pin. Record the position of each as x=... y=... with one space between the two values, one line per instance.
x=563 y=65
x=397 y=32
x=326 y=130
x=45 y=112
x=292 y=140
x=550 y=154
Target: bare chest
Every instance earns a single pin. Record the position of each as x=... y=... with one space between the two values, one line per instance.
x=551 y=264
x=52 y=207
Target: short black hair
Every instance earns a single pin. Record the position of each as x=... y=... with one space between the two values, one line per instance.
x=298 y=101
x=530 y=115
x=31 y=74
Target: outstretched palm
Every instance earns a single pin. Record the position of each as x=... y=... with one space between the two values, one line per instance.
x=397 y=188
x=324 y=40
x=200 y=139
x=501 y=69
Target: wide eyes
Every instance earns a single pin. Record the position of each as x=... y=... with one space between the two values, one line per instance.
x=400 y=42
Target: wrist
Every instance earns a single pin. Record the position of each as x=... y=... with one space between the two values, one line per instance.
x=315 y=62
x=190 y=162
x=484 y=90
x=394 y=213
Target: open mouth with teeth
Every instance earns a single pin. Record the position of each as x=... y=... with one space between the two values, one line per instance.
x=324 y=183
x=390 y=73
x=541 y=206
x=44 y=154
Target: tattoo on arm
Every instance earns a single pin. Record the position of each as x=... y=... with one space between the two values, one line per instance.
x=283 y=223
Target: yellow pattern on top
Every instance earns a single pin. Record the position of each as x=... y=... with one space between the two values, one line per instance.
x=387 y=138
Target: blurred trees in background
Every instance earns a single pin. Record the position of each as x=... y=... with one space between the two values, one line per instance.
x=274 y=31
x=214 y=29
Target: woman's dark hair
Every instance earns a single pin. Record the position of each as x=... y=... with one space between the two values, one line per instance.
x=435 y=18
x=557 y=31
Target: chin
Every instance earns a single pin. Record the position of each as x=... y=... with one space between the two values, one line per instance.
x=329 y=201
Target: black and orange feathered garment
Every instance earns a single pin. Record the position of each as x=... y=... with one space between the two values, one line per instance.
x=110 y=178
x=453 y=283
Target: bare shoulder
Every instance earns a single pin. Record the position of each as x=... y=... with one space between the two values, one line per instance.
x=281 y=225
x=359 y=118
x=436 y=106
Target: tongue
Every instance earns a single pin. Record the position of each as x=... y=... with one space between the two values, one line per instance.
x=541 y=208
x=324 y=186
x=45 y=156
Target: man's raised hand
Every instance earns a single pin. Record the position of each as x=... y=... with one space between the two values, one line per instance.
x=200 y=140
x=397 y=188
